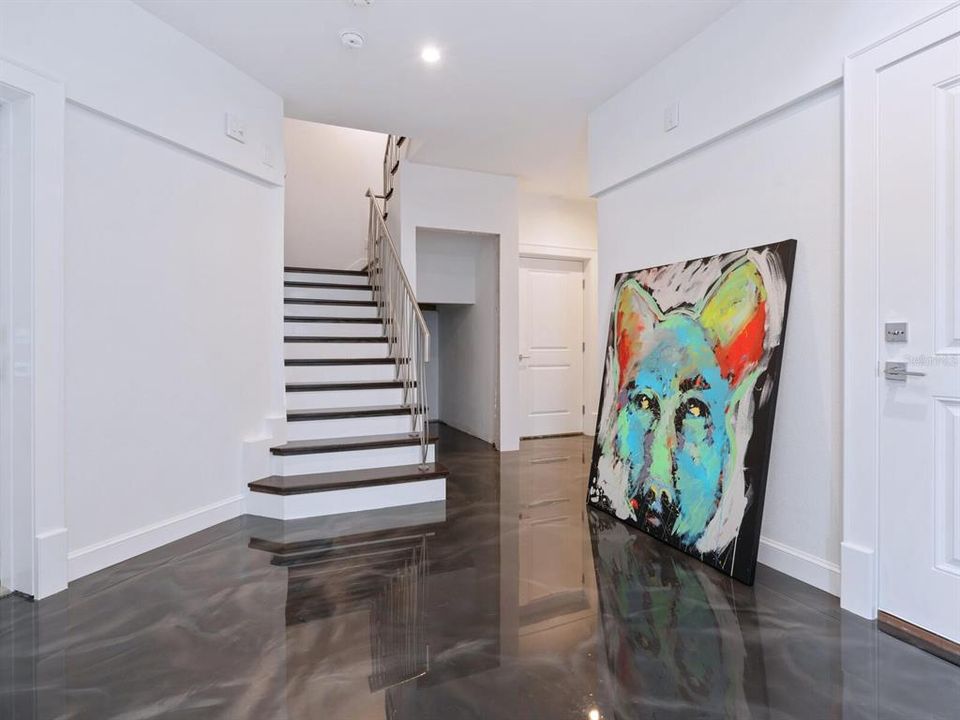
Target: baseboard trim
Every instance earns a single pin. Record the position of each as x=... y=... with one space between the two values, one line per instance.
x=100 y=555
x=801 y=565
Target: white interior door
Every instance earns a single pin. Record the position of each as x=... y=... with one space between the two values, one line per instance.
x=919 y=284
x=551 y=346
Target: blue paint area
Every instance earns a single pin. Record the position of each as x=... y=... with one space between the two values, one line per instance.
x=671 y=429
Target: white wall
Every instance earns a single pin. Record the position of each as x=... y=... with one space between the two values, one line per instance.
x=778 y=179
x=557 y=222
x=758 y=57
x=465 y=201
x=446 y=267
x=120 y=60
x=468 y=353
x=329 y=169
x=757 y=158
x=172 y=272
x=566 y=228
x=432 y=318
x=168 y=326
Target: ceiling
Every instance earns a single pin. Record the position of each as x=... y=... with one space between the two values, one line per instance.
x=510 y=95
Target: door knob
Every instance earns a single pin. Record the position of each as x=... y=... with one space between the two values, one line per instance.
x=898 y=371
x=524 y=357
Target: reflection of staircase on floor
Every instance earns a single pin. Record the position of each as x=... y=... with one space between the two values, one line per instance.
x=379 y=566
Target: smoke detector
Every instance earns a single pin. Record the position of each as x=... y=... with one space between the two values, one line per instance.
x=351 y=39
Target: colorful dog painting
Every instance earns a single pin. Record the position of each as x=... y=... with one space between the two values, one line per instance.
x=688 y=398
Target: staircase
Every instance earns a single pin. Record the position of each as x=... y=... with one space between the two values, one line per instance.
x=358 y=437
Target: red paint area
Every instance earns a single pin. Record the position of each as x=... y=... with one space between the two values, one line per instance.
x=743 y=352
x=630 y=327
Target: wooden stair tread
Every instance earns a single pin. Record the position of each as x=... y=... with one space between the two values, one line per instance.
x=368 y=477
x=362 y=442
x=322 y=362
x=333 y=319
x=346 y=385
x=325 y=271
x=334 y=339
x=330 y=301
x=348 y=412
x=326 y=285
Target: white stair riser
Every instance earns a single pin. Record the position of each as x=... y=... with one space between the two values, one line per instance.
x=333 y=329
x=348 y=427
x=308 y=350
x=333 y=502
x=328 y=293
x=351 y=311
x=343 y=398
x=327 y=278
x=348 y=460
x=337 y=373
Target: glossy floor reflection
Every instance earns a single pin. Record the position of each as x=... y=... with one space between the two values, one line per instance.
x=510 y=600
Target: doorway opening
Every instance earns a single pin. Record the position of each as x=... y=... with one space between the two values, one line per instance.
x=458 y=288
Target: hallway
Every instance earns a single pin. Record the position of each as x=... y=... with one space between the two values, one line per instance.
x=415 y=613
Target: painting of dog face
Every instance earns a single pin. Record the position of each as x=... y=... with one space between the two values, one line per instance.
x=687 y=403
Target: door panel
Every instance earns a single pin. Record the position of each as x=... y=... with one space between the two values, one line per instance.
x=919 y=433
x=551 y=346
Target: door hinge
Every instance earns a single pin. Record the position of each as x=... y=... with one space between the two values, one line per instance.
x=583 y=283
x=583 y=409
x=583 y=346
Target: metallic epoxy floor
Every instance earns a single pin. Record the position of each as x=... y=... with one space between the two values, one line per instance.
x=509 y=601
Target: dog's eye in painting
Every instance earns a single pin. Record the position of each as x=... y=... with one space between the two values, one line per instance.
x=694 y=348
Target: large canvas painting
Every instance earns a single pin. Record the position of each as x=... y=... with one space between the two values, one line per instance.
x=688 y=398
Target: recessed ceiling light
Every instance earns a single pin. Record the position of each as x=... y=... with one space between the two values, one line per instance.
x=430 y=54
x=351 y=39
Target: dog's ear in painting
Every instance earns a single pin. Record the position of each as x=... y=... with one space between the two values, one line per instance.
x=637 y=312
x=734 y=313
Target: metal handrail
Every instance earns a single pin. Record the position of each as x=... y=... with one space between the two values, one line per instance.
x=391 y=156
x=407 y=335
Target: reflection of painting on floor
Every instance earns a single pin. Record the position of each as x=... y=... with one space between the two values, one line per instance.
x=686 y=410
x=670 y=629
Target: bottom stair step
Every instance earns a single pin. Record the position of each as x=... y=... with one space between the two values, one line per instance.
x=295 y=495
x=350 y=479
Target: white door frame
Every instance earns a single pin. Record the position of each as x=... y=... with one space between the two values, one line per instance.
x=591 y=381
x=33 y=519
x=859 y=584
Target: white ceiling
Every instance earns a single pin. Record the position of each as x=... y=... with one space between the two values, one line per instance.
x=510 y=96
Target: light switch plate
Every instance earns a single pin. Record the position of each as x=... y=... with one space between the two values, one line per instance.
x=671 y=117
x=236 y=129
